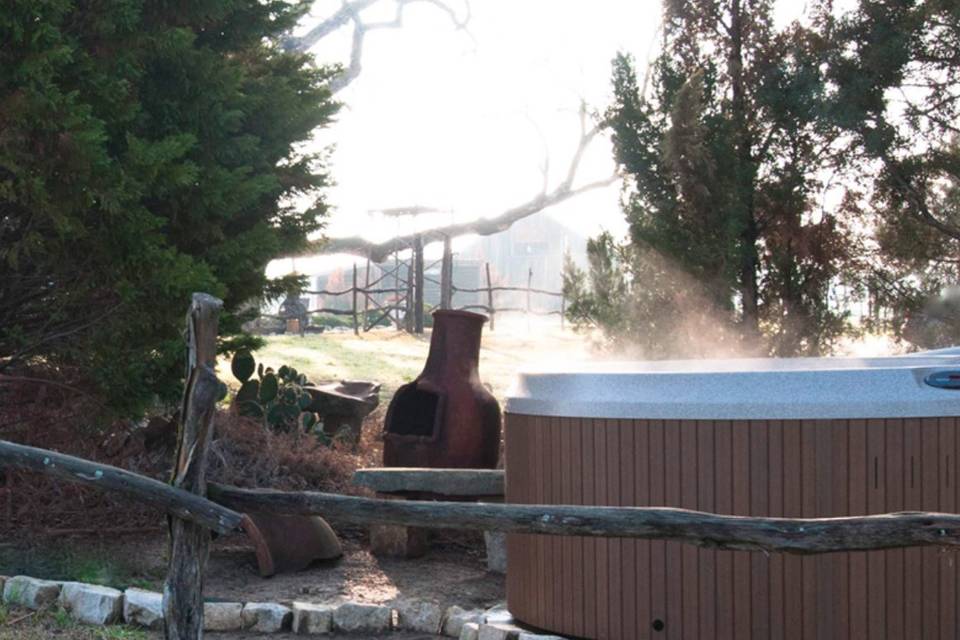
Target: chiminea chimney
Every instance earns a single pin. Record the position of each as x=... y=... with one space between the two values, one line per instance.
x=445 y=418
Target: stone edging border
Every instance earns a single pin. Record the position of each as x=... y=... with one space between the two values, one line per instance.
x=97 y=605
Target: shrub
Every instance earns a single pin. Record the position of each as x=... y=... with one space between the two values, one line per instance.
x=149 y=150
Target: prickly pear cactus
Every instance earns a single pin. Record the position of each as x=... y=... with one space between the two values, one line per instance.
x=277 y=398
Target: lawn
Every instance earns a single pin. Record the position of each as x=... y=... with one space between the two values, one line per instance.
x=392 y=357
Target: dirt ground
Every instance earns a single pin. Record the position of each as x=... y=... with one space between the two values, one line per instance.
x=453 y=572
x=450 y=574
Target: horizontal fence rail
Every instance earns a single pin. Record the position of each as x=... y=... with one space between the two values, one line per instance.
x=791 y=535
x=176 y=502
x=222 y=511
x=408 y=289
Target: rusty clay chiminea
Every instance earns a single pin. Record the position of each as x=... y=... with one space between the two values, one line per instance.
x=445 y=418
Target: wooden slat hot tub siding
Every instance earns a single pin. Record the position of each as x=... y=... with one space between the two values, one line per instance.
x=618 y=588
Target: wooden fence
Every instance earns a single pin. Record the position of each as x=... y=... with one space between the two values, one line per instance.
x=403 y=283
x=194 y=513
x=406 y=314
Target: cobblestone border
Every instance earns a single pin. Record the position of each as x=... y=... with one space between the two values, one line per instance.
x=98 y=605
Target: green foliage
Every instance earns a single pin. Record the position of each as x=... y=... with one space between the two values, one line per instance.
x=148 y=151
x=61 y=618
x=895 y=71
x=278 y=398
x=724 y=147
x=644 y=305
x=242 y=366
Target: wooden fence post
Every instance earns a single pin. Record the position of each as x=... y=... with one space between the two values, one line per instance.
x=408 y=317
x=189 y=542
x=446 y=275
x=356 y=328
x=418 y=285
x=493 y=311
x=366 y=298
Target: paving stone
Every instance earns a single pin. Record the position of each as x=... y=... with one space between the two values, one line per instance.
x=143 y=608
x=526 y=635
x=498 y=631
x=498 y=614
x=92 y=604
x=31 y=593
x=222 y=616
x=353 y=616
x=266 y=617
x=419 y=615
x=456 y=617
x=470 y=631
x=312 y=618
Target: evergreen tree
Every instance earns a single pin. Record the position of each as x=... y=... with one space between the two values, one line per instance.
x=147 y=150
x=895 y=69
x=723 y=155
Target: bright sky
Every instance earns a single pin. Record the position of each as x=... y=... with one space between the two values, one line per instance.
x=463 y=122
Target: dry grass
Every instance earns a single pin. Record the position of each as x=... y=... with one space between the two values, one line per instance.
x=22 y=624
x=392 y=358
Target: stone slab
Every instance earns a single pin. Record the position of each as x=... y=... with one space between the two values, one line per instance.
x=496 y=544
x=470 y=631
x=31 y=593
x=448 y=482
x=266 y=617
x=92 y=604
x=309 y=618
x=498 y=631
x=353 y=616
x=456 y=617
x=143 y=608
x=222 y=616
x=419 y=615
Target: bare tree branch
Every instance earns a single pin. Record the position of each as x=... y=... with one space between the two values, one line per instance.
x=350 y=12
x=564 y=191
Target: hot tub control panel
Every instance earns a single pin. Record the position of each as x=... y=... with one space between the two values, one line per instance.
x=947 y=379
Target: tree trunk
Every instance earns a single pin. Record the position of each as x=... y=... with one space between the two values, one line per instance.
x=749 y=231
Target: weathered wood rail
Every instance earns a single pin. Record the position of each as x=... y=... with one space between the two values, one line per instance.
x=174 y=501
x=791 y=535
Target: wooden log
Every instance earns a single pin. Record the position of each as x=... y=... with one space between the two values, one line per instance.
x=408 y=318
x=189 y=543
x=418 y=285
x=366 y=299
x=174 y=501
x=356 y=327
x=493 y=312
x=447 y=482
x=446 y=275
x=791 y=535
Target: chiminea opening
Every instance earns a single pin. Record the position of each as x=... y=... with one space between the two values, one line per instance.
x=414 y=412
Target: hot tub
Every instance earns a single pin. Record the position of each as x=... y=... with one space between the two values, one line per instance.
x=792 y=438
